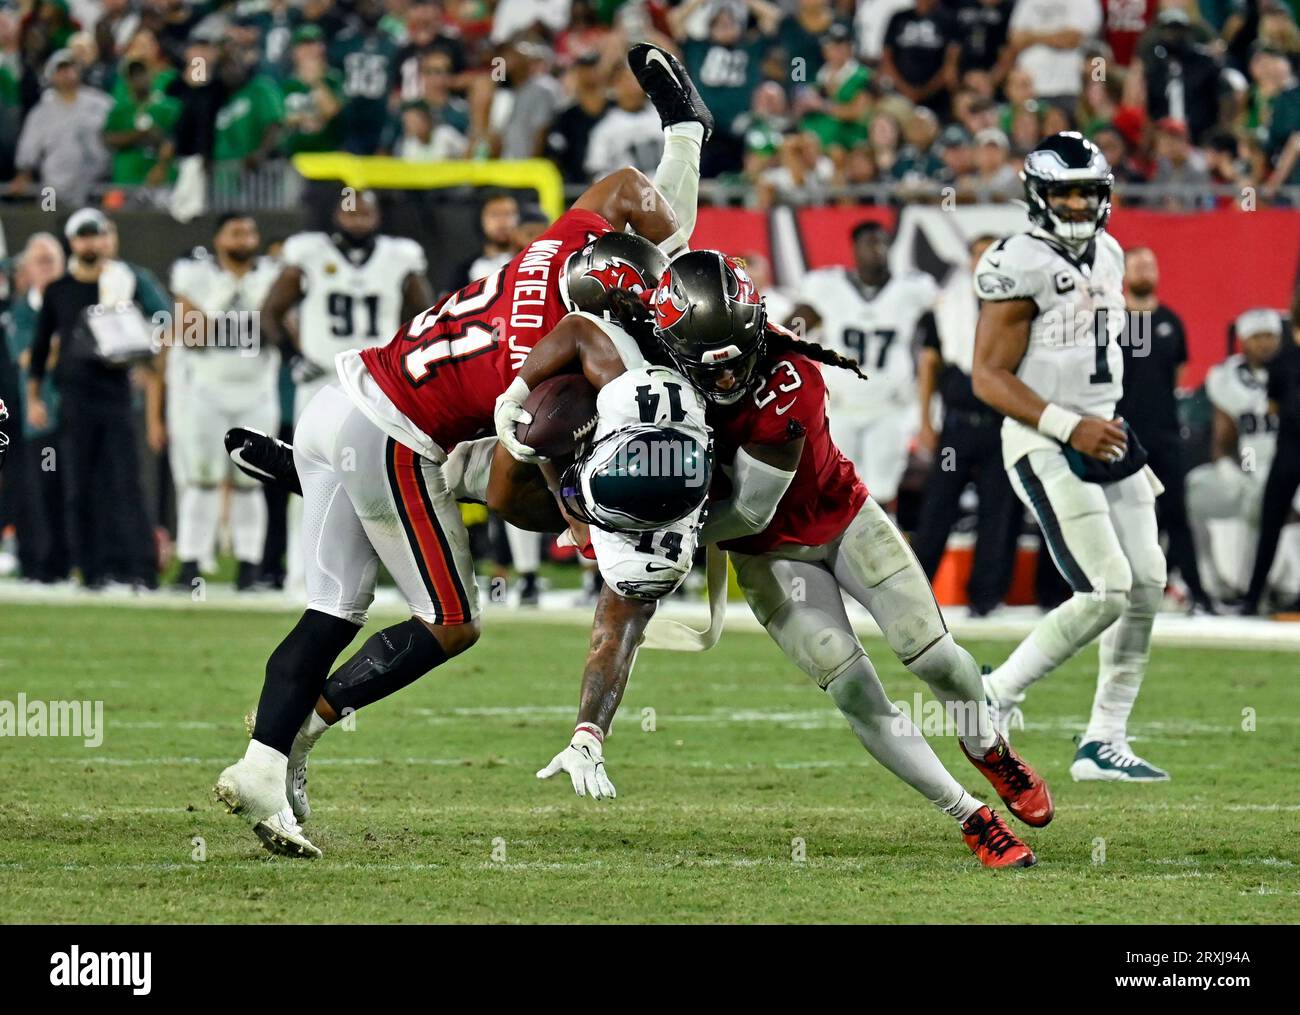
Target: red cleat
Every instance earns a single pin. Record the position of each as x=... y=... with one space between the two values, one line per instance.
x=1020 y=787
x=994 y=843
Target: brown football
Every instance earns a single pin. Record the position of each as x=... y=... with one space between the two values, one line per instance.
x=564 y=412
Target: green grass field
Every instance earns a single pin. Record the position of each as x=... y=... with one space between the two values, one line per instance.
x=429 y=810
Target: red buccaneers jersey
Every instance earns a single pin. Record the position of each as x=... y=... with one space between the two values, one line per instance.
x=445 y=367
x=826 y=493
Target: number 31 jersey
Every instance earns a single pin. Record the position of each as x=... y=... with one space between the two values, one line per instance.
x=349 y=304
x=1073 y=357
x=876 y=328
x=444 y=369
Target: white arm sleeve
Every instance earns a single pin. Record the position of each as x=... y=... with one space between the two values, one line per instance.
x=757 y=490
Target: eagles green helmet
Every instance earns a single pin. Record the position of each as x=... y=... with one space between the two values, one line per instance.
x=639 y=478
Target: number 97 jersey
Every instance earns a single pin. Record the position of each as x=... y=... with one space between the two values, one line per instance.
x=649 y=565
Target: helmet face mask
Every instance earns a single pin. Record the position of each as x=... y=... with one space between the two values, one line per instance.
x=1054 y=172
x=711 y=322
x=639 y=478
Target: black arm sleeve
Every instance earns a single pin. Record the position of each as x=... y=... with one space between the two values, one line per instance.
x=41 y=341
x=927 y=330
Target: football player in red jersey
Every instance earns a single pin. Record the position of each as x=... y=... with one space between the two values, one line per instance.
x=370 y=453
x=802 y=529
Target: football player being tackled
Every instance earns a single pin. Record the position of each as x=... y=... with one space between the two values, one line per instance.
x=801 y=530
x=1047 y=356
x=371 y=460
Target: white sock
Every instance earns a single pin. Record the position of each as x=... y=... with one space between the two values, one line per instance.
x=963 y=807
x=678 y=179
x=312 y=728
x=248 y=524
x=892 y=739
x=263 y=756
x=525 y=549
x=198 y=515
x=1125 y=650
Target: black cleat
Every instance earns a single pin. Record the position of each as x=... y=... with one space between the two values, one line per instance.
x=187 y=576
x=263 y=457
x=248 y=576
x=663 y=78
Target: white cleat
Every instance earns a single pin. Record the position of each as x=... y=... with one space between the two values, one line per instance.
x=295 y=780
x=282 y=835
x=1103 y=761
x=257 y=795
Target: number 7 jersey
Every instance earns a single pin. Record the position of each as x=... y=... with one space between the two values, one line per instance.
x=436 y=383
x=1073 y=357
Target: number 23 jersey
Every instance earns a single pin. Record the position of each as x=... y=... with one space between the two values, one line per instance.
x=1073 y=357
x=826 y=492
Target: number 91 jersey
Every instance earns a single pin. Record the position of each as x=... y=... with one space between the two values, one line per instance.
x=345 y=304
x=1073 y=357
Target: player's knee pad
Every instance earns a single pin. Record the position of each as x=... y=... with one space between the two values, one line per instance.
x=388 y=661
x=946 y=666
x=1102 y=608
x=814 y=642
x=1144 y=600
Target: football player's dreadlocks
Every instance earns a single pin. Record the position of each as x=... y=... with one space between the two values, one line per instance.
x=637 y=320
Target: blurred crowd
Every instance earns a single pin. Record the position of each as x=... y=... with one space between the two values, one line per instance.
x=812 y=98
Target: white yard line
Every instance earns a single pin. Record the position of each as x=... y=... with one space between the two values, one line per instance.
x=558 y=608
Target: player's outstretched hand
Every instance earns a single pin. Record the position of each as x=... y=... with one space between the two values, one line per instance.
x=1105 y=439
x=584 y=760
x=509 y=413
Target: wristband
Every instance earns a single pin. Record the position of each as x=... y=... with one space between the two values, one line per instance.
x=591 y=729
x=1058 y=423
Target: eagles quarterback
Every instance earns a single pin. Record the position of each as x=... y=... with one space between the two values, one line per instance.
x=1047 y=357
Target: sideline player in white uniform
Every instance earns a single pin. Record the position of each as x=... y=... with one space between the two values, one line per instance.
x=353 y=288
x=1227 y=493
x=228 y=379
x=870 y=316
x=1047 y=357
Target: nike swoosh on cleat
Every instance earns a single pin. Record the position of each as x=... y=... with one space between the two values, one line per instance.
x=655 y=54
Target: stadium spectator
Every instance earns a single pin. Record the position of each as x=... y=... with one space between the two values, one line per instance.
x=62 y=143
x=1048 y=38
x=536 y=96
x=982 y=28
x=1180 y=165
x=33 y=458
x=426 y=34
x=514 y=17
x=726 y=66
x=117 y=24
x=992 y=178
x=869 y=24
x=437 y=70
x=1154 y=344
x=799 y=38
x=917 y=160
x=250 y=123
x=106 y=510
x=498 y=220
x=839 y=109
x=969 y=448
x=921 y=54
x=367 y=55
x=802 y=174
x=423 y=140
x=1176 y=74
x=628 y=134
x=313 y=96
x=1114 y=146
x=1124 y=23
x=137 y=130
x=142 y=47
x=570 y=132
x=200 y=92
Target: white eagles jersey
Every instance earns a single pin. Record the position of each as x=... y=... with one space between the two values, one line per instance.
x=646 y=565
x=875 y=327
x=1073 y=357
x=349 y=305
x=1241 y=391
x=232 y=357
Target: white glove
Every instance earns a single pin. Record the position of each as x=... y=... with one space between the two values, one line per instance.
x=510 y=412
x=585 y=763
